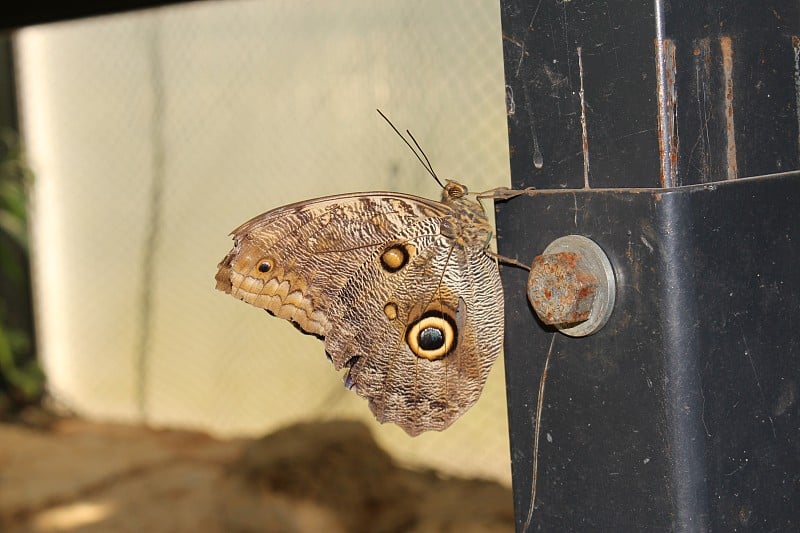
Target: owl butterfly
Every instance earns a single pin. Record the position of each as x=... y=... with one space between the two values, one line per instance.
x=400 y=288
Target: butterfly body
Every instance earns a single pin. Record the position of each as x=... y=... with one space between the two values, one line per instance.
x=400 y=288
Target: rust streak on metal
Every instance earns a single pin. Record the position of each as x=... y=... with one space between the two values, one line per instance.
x=584 y=134
x=672 y=107
x=730 y=130
x=667 y=107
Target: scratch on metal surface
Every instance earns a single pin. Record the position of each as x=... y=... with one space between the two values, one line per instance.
x=703 y=407
x=521 y=44
x=796 y=47
x=522 y=51
x=575 y=201
x=758 y=384
x=612 y=31
x=584 y=135
x=640 y=132
x=702 y=146
x=538 y=160
x=566 y=41
x=667 y=109
x=730 y=131
x=530 y=28
x=511 y=106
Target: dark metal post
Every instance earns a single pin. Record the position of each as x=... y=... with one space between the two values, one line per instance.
x=649 y=127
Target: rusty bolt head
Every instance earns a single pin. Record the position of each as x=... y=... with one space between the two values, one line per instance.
x=561 y=288
x=572 y=286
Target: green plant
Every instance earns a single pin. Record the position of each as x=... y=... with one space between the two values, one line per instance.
x=21 y=379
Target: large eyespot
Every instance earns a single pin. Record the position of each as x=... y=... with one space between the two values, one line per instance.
x=396 y=256
x=433 y=335
x=265 y=265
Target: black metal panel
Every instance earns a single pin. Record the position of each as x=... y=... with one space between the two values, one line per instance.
x=766 y=100
x=702 y=114
x=543 y=79
x=729 y=73
x=760 y=42
x=602 y=460
x=763 y=43
x=681 y=414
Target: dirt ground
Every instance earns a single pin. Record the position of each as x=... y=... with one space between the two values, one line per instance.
x=80 y=476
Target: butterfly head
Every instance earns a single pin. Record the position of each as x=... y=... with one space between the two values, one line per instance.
x=453 y=191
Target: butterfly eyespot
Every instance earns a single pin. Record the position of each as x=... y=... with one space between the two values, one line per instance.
x=390 y=310
x=433 y=336
x=396 y=256
x=264 y=266
x=430 y=339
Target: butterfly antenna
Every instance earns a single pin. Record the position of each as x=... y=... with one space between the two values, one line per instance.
x=428 y=166
x=424 y=162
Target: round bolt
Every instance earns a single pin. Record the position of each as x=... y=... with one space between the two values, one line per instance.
x=561 y=289
x=571 y=286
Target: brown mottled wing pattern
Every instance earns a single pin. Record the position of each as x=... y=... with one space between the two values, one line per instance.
x=399 y=287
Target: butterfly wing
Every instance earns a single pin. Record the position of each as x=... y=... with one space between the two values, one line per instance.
x=295 y=260
x=402 y=292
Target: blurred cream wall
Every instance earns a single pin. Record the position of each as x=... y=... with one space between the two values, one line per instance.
x=152 y=134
